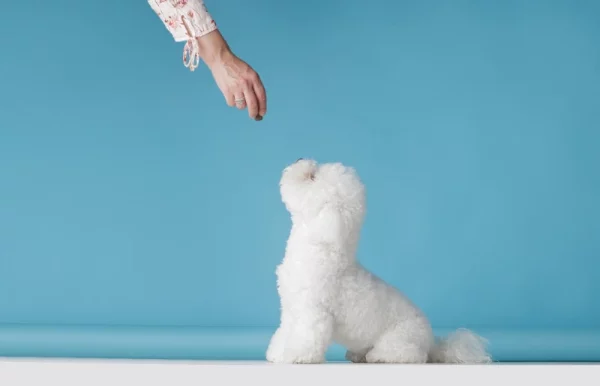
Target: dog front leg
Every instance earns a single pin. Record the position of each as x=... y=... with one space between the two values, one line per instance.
x=308 y=338
x=277 y=345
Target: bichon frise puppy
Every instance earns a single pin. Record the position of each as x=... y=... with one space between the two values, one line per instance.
x=327 y=296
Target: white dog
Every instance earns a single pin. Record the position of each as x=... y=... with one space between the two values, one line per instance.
x=327 y=296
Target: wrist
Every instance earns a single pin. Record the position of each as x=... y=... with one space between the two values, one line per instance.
x=212 y=47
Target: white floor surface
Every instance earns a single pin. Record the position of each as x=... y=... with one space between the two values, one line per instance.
x=84 y=372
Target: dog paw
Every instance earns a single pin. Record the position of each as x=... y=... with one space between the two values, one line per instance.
x=308 y=359
x=288 y=358
x=406 y=356
x=274 y=355
x=355 y=358
x=275 y=359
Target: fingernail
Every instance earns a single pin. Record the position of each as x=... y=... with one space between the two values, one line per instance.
x=258 y=118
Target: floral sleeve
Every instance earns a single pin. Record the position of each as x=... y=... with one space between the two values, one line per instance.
x=185 y=20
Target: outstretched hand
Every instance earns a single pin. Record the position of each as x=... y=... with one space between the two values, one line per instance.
x=240 y=84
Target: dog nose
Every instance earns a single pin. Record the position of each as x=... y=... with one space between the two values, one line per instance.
x=299 y=159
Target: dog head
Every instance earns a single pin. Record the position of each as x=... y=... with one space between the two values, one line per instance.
x=327 y=198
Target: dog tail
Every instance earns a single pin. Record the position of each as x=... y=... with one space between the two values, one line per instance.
x=461 y=346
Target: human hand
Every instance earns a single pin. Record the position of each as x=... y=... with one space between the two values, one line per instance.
x=240 y=84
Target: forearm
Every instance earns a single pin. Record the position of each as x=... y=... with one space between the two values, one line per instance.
x=212 y=47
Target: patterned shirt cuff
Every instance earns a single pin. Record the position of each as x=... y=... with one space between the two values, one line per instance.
x=184 y=19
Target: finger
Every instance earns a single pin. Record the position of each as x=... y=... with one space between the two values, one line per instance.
x=229 y=99
x=252 y=102
x=240 y=100
x=261 y=95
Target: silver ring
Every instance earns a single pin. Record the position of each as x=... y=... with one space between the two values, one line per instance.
x=241 y=100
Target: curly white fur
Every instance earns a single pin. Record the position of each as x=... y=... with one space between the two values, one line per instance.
x=327 y=296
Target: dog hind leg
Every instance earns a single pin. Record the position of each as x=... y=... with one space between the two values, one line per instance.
x=407 y=342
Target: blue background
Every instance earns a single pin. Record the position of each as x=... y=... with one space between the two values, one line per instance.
x=130 y=194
